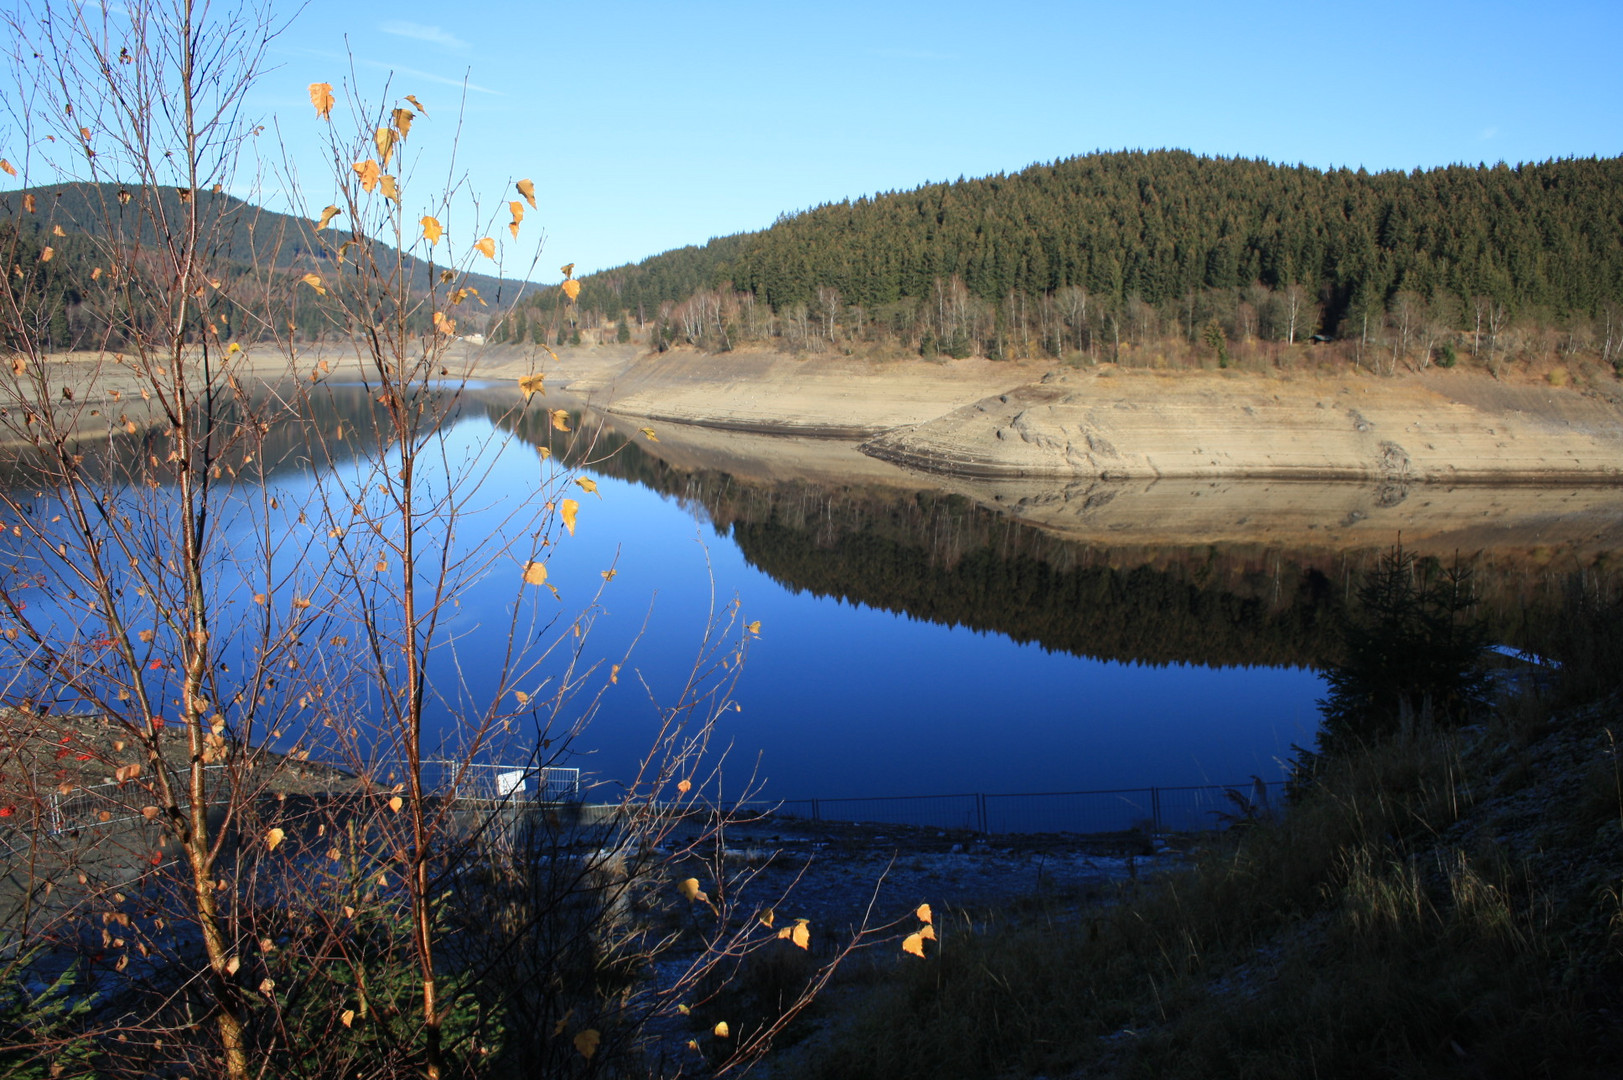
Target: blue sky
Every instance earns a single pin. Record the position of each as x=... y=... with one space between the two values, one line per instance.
x=651 y=125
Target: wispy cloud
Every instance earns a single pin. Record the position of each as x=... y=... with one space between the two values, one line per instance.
x=1488 y=133
x=431 y=34
x=429 y=76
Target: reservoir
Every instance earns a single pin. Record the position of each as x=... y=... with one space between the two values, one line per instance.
x=901 y=634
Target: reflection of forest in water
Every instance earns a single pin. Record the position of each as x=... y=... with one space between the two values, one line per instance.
x=946 y=559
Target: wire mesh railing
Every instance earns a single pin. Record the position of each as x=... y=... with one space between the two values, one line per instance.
x=1184 y=809
x=480 y=782
x=1193 y=808
x=108 y=804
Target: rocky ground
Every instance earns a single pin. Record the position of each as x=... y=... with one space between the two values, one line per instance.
x=839 y=876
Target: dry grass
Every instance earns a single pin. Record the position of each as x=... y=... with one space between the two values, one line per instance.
x=1379 y=929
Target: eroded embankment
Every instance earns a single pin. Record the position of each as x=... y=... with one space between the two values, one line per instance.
x=1138 y=425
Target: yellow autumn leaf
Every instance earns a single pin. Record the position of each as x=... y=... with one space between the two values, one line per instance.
x=347 y=1017
x=567 y=509
x=321 y=97
x=7 y=168
x=571 y=289
x=274 y=837
x=444 y=323
x=927 y=933
x=567 y=270
x=46 y=254
x=924 y=914
x=913 y=945
x=56 y=230
x=402 y=121
x=560 y=419
x=432 y=230
x=125 y=773
x=383 y=139
x=486 y=247
x=418 y=105
x=722 y=1030
x=607 y=575
x=531 y=384
x=526 y=188
x=512 y=227
x=766 y=918
x=685 y=786
x=395 y=803
x=234 y=349
x=315 y=283
x=95 y=273
x=689 y=890
x=614 y=674
x=799 y=934
x=648 y=431
x=588 y=484
x=369 y=172
x=586 y=1042
x=28 y=202
x=518 y=210
x=327 y=215
x=535 y=573
x=390 y=191
x=522 y=697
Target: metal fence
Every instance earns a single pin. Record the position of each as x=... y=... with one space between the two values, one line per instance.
x=1195 y=808
x=478 y=782
x=108 y=804
x=1152 y=809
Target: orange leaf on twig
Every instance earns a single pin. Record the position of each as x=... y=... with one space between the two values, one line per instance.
x=321 y=97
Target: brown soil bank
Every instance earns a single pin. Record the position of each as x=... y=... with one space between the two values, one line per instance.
x=1439 y=426
x=976 y=418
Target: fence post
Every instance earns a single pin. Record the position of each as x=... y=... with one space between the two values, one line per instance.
x=817 y=814
x=1155 y=810
x=980 y=812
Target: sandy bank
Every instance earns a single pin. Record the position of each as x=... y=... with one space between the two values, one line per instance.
x=771 y=393
x=1441 y=427
x=979 y=419
x=975 y=418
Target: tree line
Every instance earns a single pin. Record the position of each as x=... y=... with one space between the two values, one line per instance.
x=1109 y=249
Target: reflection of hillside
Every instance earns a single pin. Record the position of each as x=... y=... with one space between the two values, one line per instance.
x=943 y=559
x=338 y=423
x=948 y=559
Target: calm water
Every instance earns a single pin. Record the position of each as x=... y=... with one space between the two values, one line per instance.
x=911 y=642
x=840 y=697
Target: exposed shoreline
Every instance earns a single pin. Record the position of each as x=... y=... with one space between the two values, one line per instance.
x=976 y=419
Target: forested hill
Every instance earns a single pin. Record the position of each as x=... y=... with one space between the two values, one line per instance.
x=1545 y=239
x=239 y=232
x=57 y=239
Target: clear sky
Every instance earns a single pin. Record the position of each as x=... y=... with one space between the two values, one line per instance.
x=649 y=125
